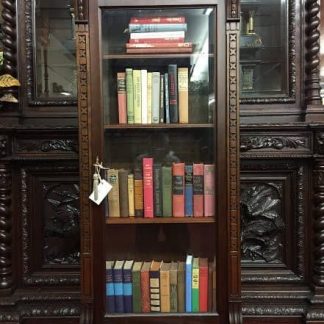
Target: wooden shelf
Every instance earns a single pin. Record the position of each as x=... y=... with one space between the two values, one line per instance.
x=159 y=220
x=153 y=56
x=157 y=126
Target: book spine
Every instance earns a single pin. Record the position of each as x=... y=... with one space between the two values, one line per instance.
x=188 y=287
x=198 y=189
x=145 y=292
x=131 y=203
x=113 y=196
x=144 y=28
x=159 y=45
x=195 y=286
x=123 y=192
x=118 y=283
x=155 y=301
x=188 y=191
x=166 y=98
x=121 y=96
x=136 y=291
x=138 y=191
x=159 y=50
x=137 y=91
x=144 y=95
x=148 y=187
x=149 y=97
x=155 y=97
x=156 y=20
x=178 y=189
x=128 y=290
x=173 y=93
x=209 y=190
x=173 y=291
x=162 y=34
x=203 y=285
x=161 y=113
x=129 y=96
x=157 y=183
x=110 y=291
x=165 y=291
x=183 y=95
x=157 y=40
x=181 y=288
x=166 y=191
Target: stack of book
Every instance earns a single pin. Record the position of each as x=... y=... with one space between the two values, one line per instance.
x=157 y=35
x=153 y=97
x=158 y=286
x=156 y=190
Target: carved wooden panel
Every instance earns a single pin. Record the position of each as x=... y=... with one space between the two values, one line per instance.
x=50 y=224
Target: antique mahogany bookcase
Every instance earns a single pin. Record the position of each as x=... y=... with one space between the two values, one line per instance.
x=160 y=111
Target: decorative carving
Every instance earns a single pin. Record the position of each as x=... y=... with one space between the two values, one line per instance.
x=276 y=142
x=66 y=145
x=312 y=84
x=82 y=11
x=6 y=272
x=233 y=10
x=271 y=309
x=319 y=143
x=3 y=145
x=261 y=223
x=62 y=243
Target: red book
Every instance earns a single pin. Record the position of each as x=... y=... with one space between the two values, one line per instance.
x=157 y=20
x=159 y=45
x=157 y=40
x=121 y=94
x=145 y=287
x=159 y=50
x=198 y=189
x=178 y=205
x=203 y=285
x=209 y=190
x=148 y=186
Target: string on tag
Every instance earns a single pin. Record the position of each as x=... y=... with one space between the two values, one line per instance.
x=97 y=177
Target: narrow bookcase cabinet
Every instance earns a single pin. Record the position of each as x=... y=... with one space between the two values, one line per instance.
x=158 y=106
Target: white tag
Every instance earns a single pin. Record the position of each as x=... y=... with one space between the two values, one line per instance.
x=103 y=189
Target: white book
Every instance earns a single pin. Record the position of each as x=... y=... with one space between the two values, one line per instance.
x=166 y=34
x=144 y=95
x=155 y=97
x=149 y=97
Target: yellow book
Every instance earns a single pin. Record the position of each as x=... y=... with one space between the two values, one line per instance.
x=183 y=95
x=165 y=287
x=131 y=203
x=149 y=97
x=113 y=196
x=137 y=92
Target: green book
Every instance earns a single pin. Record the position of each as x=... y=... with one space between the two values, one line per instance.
x=166 y=191
x=195 y=285
x=136 y=272
x=130 y=96
x=137 y=91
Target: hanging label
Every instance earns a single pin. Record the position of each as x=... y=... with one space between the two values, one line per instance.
x=102 y=191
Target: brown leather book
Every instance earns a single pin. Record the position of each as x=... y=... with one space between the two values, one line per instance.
x=165 y=287
x=181 y=287
x=145 y=287
x=123 y=192
x=155 y=286
x=113 y=196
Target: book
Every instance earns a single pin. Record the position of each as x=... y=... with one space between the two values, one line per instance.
x=110 y=289
x=113 y=196
x=188 y=283
x=118 y=285
x=166 y=98
x=121 y=97
x=137 y=94
x=158 y=45
x=130 y=95
x=155 y=97
x=159 y=50
x=148 y=187
x=162 y=34
x=144 y=95
x=214 y=306
x=165 y=287
x=154 y=273
x=183 y=95
x=166 y=191
x=188 y=190
x=136 y=275
x=156 y=20
x=128 y=286
x=174 y=287
x=181 y=287
x=173 y=93
x=157 y=40
x=210 y=297
x=145 y=287
x=138 y=190
x=203 y=285
x=131 y=203
x=157 y=184
x=195 y=286
x=198 y=189
x=209 y=190
x=149 y=97
x=160 y=27
x=161 y=113
x=178 y=209
x=123 y=192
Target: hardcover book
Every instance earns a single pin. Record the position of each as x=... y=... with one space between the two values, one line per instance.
x=118 y=284
x=123 y=192
x=157 y=40
x=136 y=274
x=148 y=187
x=145 y=287
x=198 y=189
x=183 y=95
x=144 y=95
x=181 y=287
x=195 y=286
x=157 y=183
x=166 y=98
x=121 y=94
x=203 y=285
x=155 y=97
x=155 y=290
x=161 y=113
x=165 y=287
x=113 y=196
x=209 y=190
x=149 y=97
x=159 y=27
x=137 y=94
x=157 y=20
x=162 y=34
x=129 y=96
x=178 y=189
x=110 y=289
x=173 y=93
x=159 y=50
x=166 y=191
x=188 y=282
x=174 y=287
x=138 y=190
x=131 y=203
x=128 y=286
x=188 y=190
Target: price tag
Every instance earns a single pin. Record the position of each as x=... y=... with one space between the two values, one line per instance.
x=103 y=189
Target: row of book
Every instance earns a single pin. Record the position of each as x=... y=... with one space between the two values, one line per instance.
x=157 y=286
x=157 y=35
x=155 y=190
x=153 y=97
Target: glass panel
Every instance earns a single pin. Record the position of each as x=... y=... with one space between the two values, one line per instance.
x=55 y=59
x=158 y=76
x=263 y=48
x=1 y=37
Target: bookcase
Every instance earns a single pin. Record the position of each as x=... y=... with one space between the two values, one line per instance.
x=158 y=120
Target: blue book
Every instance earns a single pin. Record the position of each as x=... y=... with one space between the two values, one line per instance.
x=188 y=283
x=188 y=190
x=144 y=28
x=110 y=289
x=128 y=286
x=118 y=285
x=166 y=98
